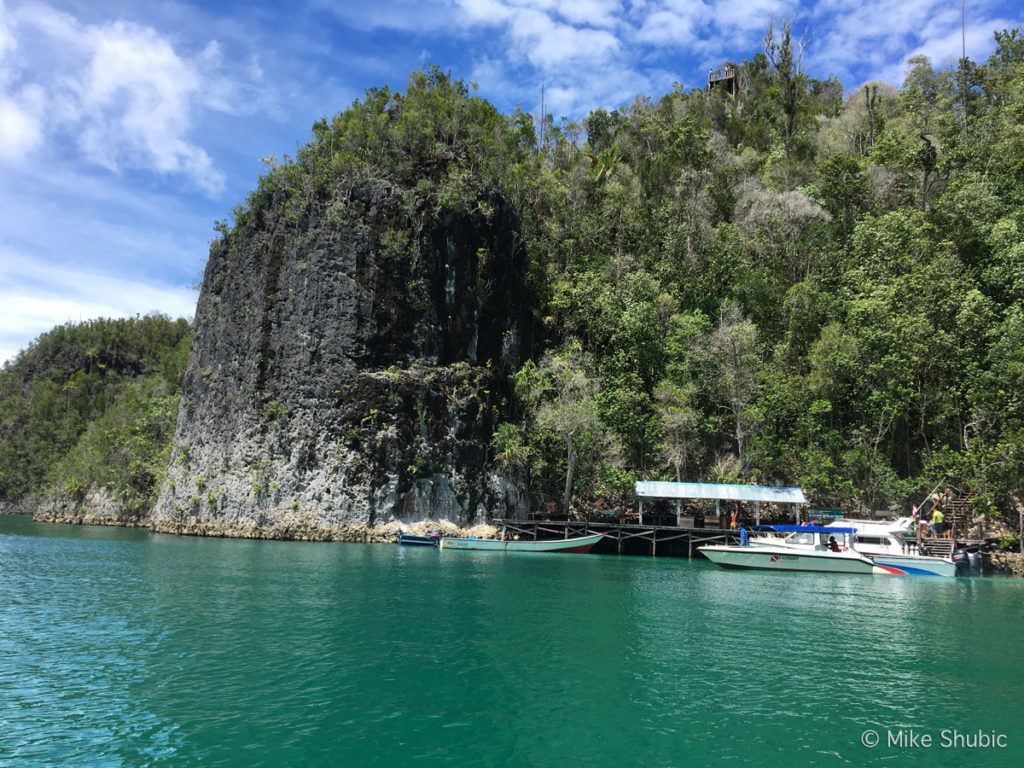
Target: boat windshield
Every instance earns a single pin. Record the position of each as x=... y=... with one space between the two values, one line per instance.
x=876 y=540
x=801 y=538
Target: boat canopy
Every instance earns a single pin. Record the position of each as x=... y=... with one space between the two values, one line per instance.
x=808 y=529
x=657 y=489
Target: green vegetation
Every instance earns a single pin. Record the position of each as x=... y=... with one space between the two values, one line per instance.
x=92 y=405
x=792 y=284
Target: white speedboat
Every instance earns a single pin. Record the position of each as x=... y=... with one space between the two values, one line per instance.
x=828 y=549
x=807 y=548
x=889 y=545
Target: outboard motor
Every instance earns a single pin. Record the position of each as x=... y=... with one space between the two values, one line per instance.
x=974 y=562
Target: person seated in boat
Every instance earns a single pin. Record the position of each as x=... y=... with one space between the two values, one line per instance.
x=833 y=544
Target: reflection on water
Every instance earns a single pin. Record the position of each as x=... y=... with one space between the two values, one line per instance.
x=121 y=647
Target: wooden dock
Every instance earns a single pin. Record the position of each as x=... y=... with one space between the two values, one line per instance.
x=623 y=538
x=664 y=540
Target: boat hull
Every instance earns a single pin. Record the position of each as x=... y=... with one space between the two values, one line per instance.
x=581 y=544
x=782 y=559
x=916 y=566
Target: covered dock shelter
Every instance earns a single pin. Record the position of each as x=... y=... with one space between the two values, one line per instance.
x=656 y=490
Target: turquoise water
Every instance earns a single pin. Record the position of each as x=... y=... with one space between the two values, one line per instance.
x=120 y=647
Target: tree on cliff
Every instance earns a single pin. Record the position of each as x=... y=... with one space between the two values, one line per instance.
x=681 y=420
x=730 y=360
x=560 y=395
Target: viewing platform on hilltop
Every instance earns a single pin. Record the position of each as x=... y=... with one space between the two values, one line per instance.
x=725 y=77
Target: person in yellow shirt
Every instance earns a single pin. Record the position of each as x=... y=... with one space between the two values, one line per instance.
x=937 y=522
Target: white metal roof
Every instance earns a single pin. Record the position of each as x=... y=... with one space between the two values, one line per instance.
x=656 y=489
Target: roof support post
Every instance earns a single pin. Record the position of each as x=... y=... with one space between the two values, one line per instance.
x=757 y=513
x=678 y=520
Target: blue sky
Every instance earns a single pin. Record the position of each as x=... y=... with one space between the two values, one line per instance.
x=128 y=127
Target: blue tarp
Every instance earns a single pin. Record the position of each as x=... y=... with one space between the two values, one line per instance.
x=809 y=529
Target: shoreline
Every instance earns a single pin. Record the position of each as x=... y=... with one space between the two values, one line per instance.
x=289 y=528
x=303 y=528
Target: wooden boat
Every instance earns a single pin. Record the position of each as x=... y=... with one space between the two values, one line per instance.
x=580 y=544
x=410 y=540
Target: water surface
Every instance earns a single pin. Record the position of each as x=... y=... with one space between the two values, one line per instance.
x=123 y=648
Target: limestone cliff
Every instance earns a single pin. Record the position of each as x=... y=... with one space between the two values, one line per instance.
x=351 y=357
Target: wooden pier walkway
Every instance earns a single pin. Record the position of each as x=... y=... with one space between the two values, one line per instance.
x=665 y=540
x=624 y=538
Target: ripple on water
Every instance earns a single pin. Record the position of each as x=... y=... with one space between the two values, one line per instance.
x=126 y=648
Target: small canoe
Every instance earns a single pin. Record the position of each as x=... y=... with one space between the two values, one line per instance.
x=418 y=541
x=580 y=544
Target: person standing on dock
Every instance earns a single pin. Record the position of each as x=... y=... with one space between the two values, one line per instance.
x=937 y=522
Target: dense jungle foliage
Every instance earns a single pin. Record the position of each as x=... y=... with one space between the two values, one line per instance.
x=790 y=285
x=92 y=405
x=793 y=284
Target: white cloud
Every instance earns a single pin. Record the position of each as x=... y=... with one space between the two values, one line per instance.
x=136 y=99
x=668 y=28
x=20 y=128
x=751 y=16
x=122 y=91
x=574 y=46
x=35 y=297
x=403 y=15
x=550 y=44
x=594 y=13
x=7 y=41
x=546 y=33
x=873 y=38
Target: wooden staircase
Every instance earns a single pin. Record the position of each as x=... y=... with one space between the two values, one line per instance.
x=937 y=548
x=958 y=515
x=956 y=510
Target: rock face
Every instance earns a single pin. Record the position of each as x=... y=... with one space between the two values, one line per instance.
x=1003 y=563
x=349 y=363
x=95 y=507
